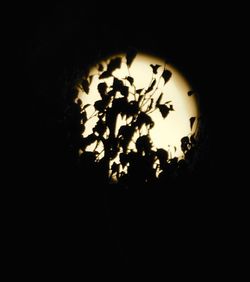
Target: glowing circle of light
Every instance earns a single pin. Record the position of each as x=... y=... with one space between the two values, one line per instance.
x=167 y=132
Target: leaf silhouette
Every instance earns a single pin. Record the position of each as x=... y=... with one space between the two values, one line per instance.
x=142 y=119
x=100 y=127
x=151 y=86
x=124 y=91
x=141 y=162
x=166 y=75
x=131 y=54
x=126 y=131
x=130 y=80
x=143 y=144
x=190 y=93
x=155 y=68
x=139 y=91
x=171 y=108
x=162 y=156
x=120 y=105
x=89 y=140
x=105 y=74
x=84 y=117
x=111 y=93
x=159 y=100
x=117 y=84
x=164 y=110
x=125 y=135
x=132 y=108
x=122 y=131
x=114 y=64
x=85 y=86
x=79 y=102
x=102 y=88
x=85 y=107
x=99 y=105
x=192 y=120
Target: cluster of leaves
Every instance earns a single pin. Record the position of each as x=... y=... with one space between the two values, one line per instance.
x=142 y=163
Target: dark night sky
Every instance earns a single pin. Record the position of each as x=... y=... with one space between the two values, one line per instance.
x=62 y=37
x=58 y=37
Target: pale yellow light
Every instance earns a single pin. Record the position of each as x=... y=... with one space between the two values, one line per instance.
x=167 y=132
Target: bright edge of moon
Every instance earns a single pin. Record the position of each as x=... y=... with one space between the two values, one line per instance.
x=166 y=133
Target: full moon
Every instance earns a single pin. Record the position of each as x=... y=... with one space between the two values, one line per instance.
x=166 y=132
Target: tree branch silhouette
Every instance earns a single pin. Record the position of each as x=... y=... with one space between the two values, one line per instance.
x=127 y=154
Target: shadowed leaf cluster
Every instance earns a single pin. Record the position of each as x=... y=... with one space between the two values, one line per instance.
x=128 y=155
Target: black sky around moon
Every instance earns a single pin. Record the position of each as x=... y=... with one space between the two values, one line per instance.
x=72 y=224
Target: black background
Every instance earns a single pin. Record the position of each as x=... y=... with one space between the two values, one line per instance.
x=67 y=226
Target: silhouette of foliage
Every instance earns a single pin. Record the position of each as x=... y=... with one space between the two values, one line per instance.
x=164 y=110
x=128 y=155
x=139 y=91
x=130 y=79
x=131 y=54
x=155 y=68
x=151 y=87
x=105 y=74
x=114 y=64
x=159 y=100
x=102 y=88
x=144 y=119
x=166 y=75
